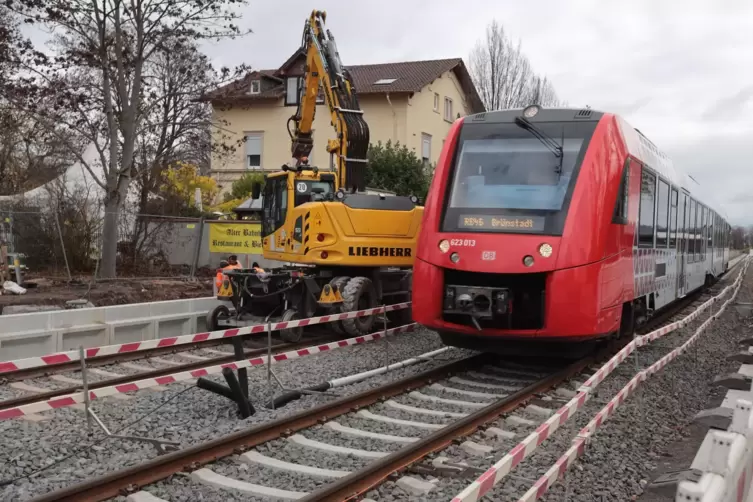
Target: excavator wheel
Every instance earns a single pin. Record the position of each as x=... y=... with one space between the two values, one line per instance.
x=359 y=294
x=291 y=335
x=340 y=282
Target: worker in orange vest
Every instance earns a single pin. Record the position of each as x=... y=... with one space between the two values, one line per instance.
x=218 y=278
x=233 y=262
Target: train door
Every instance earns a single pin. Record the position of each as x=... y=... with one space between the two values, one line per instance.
x=682 y=244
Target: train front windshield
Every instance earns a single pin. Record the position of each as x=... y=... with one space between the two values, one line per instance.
x=507 y=178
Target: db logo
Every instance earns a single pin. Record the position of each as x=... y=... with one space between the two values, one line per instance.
x=489 y=255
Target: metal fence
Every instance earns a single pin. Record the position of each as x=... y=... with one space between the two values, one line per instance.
x=64 y=244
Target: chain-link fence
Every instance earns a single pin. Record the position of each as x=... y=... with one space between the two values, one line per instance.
x=67 y=242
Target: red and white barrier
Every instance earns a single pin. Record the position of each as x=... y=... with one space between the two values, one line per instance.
x=73 y=355
x=78 y=397
x=484 y=483
x=579 y=443
x=727 y=475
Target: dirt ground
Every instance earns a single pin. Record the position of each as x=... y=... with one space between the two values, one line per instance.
x=118 y=292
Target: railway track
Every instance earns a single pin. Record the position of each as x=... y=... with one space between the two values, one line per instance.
x=62 y=379
x=436 y=406
x=347 y=447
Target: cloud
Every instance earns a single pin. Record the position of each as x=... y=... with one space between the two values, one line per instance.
x=681 y=73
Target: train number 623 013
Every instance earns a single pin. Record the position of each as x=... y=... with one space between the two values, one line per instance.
x=463 y=242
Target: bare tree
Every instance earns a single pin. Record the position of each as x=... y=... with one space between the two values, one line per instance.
x=95 y=83
x=30 y=155
x=503 y=75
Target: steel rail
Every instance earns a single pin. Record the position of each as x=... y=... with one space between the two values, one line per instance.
x=361 y=481
x=119 y=482
x=44 y=396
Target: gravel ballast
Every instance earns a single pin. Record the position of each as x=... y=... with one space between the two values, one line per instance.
x=191 y=417
x=620 y=460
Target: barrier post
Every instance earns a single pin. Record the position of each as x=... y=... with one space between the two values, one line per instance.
x=82 y=357
x=386 y=342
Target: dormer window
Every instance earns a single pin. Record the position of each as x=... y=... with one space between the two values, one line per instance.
x=255 y=87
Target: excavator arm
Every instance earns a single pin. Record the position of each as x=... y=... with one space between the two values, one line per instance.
x=324 y=68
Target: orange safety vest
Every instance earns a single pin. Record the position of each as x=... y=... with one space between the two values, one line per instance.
x=220 y=276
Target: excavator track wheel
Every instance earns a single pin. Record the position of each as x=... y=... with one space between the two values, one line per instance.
x=214 y=315
x=340 y=282
x=359 y=294
x=291 y=335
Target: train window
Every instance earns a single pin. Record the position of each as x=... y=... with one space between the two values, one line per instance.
x=620 y=215
x=710 y=234
x=704 y=231
x=673 y=219
x=699 y=233
x=691 y=232
x=682 y=223
x=662 y=214
x=646 y=216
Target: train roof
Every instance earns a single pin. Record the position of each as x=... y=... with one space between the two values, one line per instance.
x=643 y=149
x=638 y=145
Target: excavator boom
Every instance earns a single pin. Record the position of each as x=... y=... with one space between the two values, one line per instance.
x=324 y=69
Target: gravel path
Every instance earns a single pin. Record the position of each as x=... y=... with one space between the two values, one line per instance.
x=618 y=463
x=190 y=417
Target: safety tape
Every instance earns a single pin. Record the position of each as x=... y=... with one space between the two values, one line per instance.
x=577 y=448
x=73 y=355
x=484 y=483
x=78 y=397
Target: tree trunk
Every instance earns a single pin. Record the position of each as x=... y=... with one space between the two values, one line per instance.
x=110 y=238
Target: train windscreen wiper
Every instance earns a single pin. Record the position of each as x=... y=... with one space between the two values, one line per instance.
x=547 y=141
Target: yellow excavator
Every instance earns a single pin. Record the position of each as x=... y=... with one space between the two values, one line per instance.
x=348 y=248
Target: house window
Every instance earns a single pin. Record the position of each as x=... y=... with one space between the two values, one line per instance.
x=436 y=102
x=448 y=109
x=254 y=143
x=426 y=148
x=292 y=90
x=255 y=87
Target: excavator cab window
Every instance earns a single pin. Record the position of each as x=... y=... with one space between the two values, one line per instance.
x=312 y=191
x=275 y=204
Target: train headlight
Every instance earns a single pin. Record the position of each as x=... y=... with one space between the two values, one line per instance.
x=531 y=111
x=340 y=195
x=454 y=257
x=444 y=245
x=545 y=250
x=528 y=260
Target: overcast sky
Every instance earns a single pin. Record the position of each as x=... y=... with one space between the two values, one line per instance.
x=679 y=70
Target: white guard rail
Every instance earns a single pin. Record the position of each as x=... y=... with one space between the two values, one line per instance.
x=40 y=333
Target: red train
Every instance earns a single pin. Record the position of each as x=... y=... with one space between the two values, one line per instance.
x=557 y=225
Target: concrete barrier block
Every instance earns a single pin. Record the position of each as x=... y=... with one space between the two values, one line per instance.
x=25 y=323
x=76 y=317
x=28 y=344
x=132 y=330
x=90 y=335
x=168 y=326
x=171 y=307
